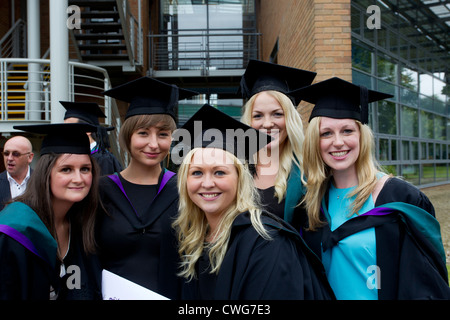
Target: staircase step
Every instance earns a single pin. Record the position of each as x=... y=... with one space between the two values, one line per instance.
x=104 y=26
x=102 y=46
x=18 y=77
x=99 y=36
x=15 y=104
x=93 y=3
x=88 y=57
x=99 y=14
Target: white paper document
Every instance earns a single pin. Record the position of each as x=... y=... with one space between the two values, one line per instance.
x=115 y=287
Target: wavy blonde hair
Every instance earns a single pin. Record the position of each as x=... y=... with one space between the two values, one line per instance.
x=191 y=224
x=318 y=174
x=292 y=151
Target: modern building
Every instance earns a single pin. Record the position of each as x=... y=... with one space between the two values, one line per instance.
x=396 y=46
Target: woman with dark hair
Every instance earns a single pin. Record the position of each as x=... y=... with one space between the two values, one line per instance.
x=47 y=235
x=135 y=238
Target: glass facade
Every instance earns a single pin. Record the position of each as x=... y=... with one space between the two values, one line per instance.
x=412 y=129
x=208 y=42
x=205 y=35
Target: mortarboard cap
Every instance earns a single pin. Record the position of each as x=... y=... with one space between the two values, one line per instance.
x=62 y=137
x=340 y=99
x=263 y=76
x=211 y=128
x=86 y=111
x=149 y=96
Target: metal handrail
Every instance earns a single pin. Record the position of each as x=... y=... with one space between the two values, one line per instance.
x=215 y=48
x=132 y=32
x=20 y=104
x=13 y=43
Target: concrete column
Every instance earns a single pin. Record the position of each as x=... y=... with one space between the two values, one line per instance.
x=34 y=83
x=59 y=58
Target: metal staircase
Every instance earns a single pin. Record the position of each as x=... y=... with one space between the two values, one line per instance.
x=15 y=92
x=109 y=35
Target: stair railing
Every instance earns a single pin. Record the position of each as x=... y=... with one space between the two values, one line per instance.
x=14 y=43
x=132 y=32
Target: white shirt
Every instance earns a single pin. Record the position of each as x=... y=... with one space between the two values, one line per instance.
x=16 y=188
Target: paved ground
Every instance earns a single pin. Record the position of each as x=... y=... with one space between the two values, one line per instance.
x=440 y=197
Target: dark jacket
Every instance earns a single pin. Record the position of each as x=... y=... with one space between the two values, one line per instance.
x=283 y=268
x=409 y=249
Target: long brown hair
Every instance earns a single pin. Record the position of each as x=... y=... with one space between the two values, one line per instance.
x=38 y=196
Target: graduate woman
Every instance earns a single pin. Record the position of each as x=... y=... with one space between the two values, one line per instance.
x=90 y=112
x=135 y=238
x=229 y=247
x=47 y=235
x=271 y=110
x=376 y=234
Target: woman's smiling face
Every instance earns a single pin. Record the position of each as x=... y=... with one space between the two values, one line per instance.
x=268 y=116
x=339 y=143
x=212 y=181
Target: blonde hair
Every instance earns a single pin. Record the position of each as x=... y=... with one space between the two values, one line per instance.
x=191 y=224
x=292 y=151
x=318 y=174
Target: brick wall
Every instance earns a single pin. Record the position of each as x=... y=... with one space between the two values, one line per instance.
x=312 y=34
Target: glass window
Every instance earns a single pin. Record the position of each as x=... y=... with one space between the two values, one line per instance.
x=387 y=117
x=409 y=122
x=208 y=35
x=394 y=145
x=427 y=173
x=405 y=150
x=356 y=20
x=361 y=58
x=431 y=151
x=386 y=69
x=438 y=151
x=411 y=173
x=409 y=97
x=426 y=121
x=415 y=150
x=425 y=102
x=409 y=78
x=423 y=151
x=387 y=87
x=441 y=172
x=360 y=78
x=384 y=149
x=440 y=127
x=426 y=84
x=439 y=95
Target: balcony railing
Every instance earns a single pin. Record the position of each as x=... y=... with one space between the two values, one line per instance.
x=25 y=93
x=205 y=50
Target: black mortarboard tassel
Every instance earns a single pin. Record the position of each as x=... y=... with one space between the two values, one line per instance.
x=149 y=96
x=263 y=76
x=62 y=137
x=340 y=99
x=209 y=127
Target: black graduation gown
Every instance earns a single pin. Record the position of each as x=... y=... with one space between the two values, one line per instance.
x=23 y=275
x=410 y=266
x=90 y=271
x=140 y=247
x=107 y=162
x=28 y=260
x=257 y=269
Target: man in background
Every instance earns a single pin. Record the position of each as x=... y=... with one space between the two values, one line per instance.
x=17 y=156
